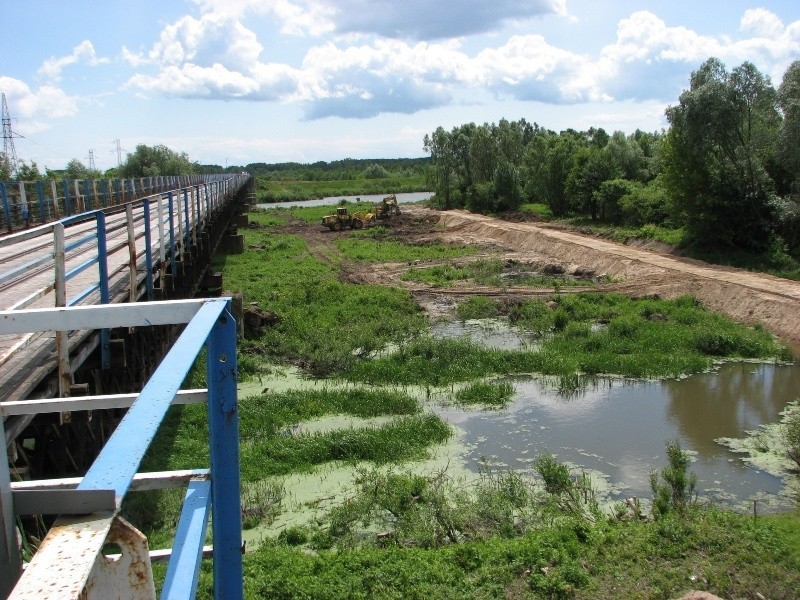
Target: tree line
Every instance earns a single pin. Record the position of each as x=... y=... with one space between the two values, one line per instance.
x=727 y=170
x=145 y=161
x=346 y=169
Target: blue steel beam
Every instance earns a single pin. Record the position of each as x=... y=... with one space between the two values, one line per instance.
x=6 y=208
x=105 y=298
x=119 y=459
x=40 y=197
x=223 y=420
x=173 y=259
x=148 y=250
x=187 y=548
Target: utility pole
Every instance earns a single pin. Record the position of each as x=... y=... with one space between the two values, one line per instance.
x=91 y=160
x=8 y=139
x=118 y=150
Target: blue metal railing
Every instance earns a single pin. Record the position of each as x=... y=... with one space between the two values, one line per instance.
x=131 y=249
x=66 y=562
x=27 y=202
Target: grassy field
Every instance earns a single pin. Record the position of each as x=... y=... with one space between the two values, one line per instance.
x=281 y=191
x=397 y=533
x=488 y=272
x=582 y=335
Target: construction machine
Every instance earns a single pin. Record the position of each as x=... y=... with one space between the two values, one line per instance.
x=342 y=219
x=386 y=208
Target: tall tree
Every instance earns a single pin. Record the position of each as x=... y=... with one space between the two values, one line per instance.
x=28 y=172
x=440 y=146
x=5 y=168
x=789 y=137
x=482 y=155
x=788 y=157
x=152 y=161
x=721 y=136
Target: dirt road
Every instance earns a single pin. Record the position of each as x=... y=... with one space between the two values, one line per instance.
x=742 y=295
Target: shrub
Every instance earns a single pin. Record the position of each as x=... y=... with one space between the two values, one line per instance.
x=675 y=493
x=375 y=171
x=792 y=436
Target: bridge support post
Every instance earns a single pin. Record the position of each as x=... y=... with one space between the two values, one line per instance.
x=10 y=559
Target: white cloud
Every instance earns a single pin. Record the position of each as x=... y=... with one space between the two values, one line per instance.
x=82 y=53
x=761 y=23
x=211 y=57
x=216 y=56
x=35 y=108
x=134 y=59
x=412 y=19
x=213 y=38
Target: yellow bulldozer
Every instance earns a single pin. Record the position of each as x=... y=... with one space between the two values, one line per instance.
x=342 y=219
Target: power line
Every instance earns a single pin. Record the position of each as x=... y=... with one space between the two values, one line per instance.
x=8 y=139
x=91 y=160
x=118 y=150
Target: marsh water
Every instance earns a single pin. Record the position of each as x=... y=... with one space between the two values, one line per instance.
x=617 y=429
x=366 y=198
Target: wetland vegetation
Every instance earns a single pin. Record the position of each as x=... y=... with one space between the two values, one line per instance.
x=399 y=533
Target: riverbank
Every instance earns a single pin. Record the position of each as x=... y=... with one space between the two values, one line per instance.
x=502 y=533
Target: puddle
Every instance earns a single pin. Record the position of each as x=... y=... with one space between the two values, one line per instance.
x=620 y=428
x=490 y=333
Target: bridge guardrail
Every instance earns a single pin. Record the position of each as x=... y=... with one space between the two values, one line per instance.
x=133 y=245
x=70 y=562
x=25 y=203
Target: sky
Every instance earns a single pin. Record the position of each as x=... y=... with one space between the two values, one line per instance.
x=232 y=82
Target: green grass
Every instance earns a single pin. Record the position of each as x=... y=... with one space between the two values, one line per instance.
x=540 y=210
x=585 y=334
x=709 y=550
x=490 y=393
x=281 y=191
x=775 y=261
x=314 y=214
x=268 y=446
x=487 y=272
x=477 y=307
x=323 y=322
x=368 y=249
x=182 y=442
x=623 y=235
x=404 y=438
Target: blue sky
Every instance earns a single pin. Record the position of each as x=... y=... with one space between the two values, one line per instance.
x=239 y=81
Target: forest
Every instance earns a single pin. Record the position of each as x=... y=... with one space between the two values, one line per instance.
x=726 y=172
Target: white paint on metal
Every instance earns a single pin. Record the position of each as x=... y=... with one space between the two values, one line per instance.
x=153 y=480
x=62 y=337
x=140 y=314
x=62 y=564
x=127 y=575
x=51 y=405
x=55 y=198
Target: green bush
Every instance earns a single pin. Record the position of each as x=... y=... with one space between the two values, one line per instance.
x=792 y=436
x=675 y=493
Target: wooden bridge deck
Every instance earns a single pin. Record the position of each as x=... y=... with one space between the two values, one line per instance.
x=29 y=265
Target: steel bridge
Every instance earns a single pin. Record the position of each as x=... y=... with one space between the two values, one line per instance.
x=92 y=354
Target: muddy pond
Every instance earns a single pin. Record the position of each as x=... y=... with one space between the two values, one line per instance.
x=617 y=429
